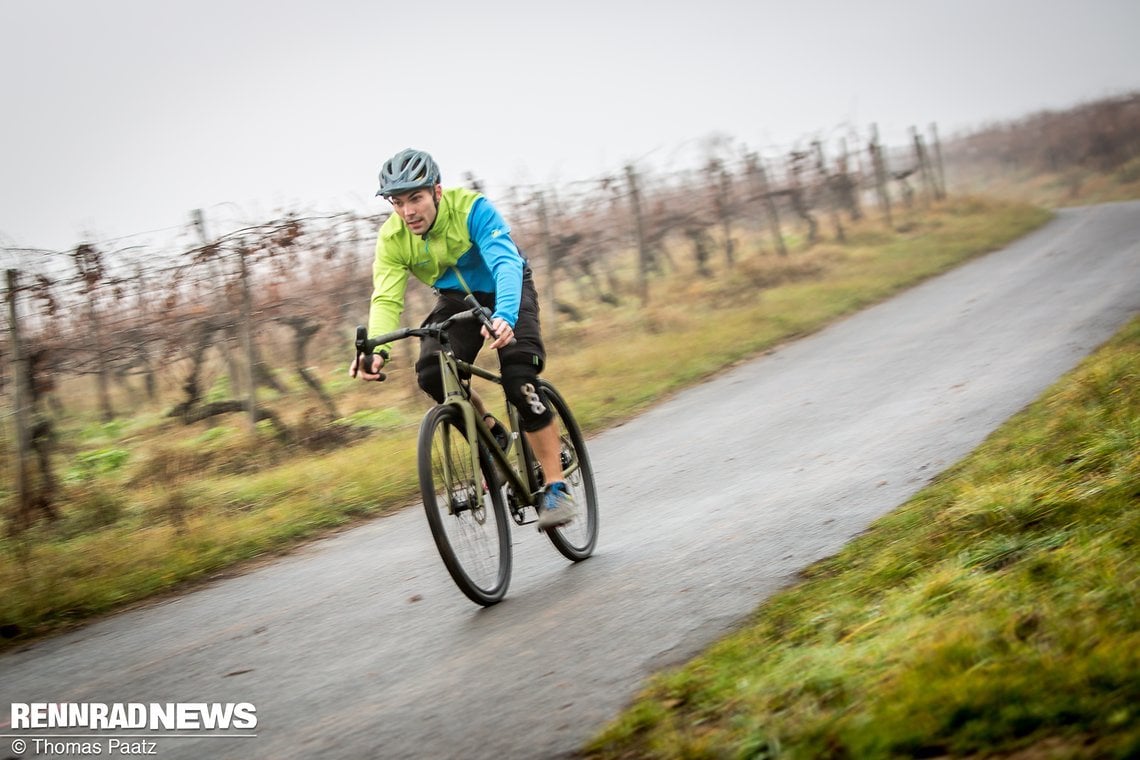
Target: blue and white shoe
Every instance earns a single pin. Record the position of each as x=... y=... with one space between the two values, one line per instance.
x=557 y=507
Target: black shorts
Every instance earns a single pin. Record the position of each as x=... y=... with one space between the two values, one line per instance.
x=467 y=339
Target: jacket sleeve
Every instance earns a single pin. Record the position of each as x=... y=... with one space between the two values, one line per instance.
x=389 y=281
x=493 y=238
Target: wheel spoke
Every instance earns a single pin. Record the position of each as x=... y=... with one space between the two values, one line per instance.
x=464 y=509
x=576 y=539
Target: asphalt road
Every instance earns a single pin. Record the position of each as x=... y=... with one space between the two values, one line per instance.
x=359 y=646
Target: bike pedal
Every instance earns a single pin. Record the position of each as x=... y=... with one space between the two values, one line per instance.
x=520 y=518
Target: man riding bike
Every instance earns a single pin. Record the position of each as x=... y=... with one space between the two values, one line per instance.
x=455 y=241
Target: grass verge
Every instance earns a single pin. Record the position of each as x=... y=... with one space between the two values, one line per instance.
x=125 y=537
x=997 y=613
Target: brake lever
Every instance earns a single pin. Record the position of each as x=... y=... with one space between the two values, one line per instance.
x=484 y=315
x=364 y=353
x=481 y=311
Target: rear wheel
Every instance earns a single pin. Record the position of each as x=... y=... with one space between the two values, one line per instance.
x=464 y=507
x=577 y=538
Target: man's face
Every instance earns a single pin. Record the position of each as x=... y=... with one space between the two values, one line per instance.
x=417 y=208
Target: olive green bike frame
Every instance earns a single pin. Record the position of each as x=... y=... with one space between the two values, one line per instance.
x=454 y=392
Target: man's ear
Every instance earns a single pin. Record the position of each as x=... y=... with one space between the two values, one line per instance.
x=438 y=192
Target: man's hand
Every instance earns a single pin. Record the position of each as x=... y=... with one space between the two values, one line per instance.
x=367 y=372
x=503 y=333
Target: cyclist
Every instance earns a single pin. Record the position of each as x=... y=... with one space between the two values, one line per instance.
x=455 y=241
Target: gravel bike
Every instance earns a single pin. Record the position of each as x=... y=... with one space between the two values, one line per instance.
x=470 y=483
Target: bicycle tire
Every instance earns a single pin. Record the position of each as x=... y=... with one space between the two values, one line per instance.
x=464 y=509
x=577 y=539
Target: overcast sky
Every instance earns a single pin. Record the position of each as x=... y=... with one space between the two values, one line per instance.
x=119 y=116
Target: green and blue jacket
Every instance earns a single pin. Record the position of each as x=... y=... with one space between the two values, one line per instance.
x=468 y=235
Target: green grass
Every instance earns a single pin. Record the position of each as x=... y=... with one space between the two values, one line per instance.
x=165 y=505
x=996 y=612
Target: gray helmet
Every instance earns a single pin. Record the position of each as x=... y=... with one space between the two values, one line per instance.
x=409 y=169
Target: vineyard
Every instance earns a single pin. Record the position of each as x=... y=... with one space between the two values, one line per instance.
x=236 y=321
x=228 y=319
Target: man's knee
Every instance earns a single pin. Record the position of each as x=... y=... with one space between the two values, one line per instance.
x=520 y=382
x=430 y=378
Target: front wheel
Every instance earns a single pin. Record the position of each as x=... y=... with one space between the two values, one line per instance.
x=577 y=538
x=464 y=507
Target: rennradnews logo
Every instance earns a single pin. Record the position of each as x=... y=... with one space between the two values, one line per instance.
x=170 y=716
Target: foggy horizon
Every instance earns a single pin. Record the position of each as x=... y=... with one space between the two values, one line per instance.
x=125 y=116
